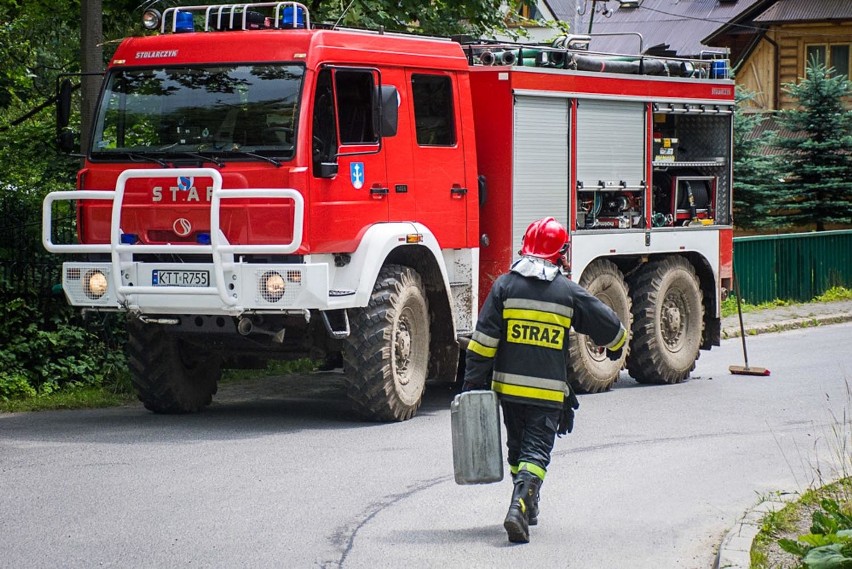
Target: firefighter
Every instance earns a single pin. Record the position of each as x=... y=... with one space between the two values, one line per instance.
x=520 y=343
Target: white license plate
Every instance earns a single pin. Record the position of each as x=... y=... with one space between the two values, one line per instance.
x=180 y=278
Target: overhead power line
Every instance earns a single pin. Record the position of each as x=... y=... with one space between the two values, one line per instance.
x=729 y=23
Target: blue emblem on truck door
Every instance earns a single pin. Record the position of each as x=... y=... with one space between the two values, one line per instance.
x=356 y=174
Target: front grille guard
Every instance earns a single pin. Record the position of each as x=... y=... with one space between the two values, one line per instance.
x=220 y=249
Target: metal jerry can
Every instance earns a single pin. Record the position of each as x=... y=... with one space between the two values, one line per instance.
x=477 y=449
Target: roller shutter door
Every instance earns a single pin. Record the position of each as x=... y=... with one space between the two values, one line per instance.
x=610 y=143
x=540 y=169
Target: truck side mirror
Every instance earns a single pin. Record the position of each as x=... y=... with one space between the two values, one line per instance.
x=326 y=170
x=63 y=104
x=66 y=142
x=64 y=137
x=390 y=110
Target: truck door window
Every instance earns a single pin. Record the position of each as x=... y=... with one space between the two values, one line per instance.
x=324 y=124
x=433 y=110
x=355 y=106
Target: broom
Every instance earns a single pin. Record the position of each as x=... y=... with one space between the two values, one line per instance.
x=744 y=370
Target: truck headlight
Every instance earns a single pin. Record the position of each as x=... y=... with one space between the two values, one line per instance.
x=95 y=284
x=272 y=286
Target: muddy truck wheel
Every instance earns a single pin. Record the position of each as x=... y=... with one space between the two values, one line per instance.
x=668 y=319
x=169 y=374
x=589 y=369
x=387 y=352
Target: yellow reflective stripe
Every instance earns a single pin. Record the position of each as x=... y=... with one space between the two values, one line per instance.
x=530 y=381
x=536 y=316
x=534 y=468
x=528 y=303
x=619 y=340
x=513 y=469
x=485 y=339
x=483 y=351
x=527 y=392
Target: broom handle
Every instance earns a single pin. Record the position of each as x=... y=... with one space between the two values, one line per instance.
x=740 y=314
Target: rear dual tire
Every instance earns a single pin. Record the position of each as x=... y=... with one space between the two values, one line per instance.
x=668 y=321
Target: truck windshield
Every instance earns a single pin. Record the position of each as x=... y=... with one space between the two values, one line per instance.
x=239 y=112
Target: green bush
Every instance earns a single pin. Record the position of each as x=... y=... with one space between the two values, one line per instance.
x=829 y=543
x=835 y=293
x=59 y=352
x=14 y=385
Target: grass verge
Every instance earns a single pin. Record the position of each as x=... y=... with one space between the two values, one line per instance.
x=797 y=522
x=96 y=397
x=834 y=294
x=76 y=398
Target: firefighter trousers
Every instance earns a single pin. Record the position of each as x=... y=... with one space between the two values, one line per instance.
x=530 y=434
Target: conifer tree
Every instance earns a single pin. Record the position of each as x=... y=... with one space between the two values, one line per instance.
x=755 y=171
x=817 y=154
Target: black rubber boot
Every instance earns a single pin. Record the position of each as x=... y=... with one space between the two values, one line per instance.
x=533 y=503
x=517 y=518
x=535 y=488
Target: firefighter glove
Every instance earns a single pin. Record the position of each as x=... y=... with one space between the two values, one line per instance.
x=614 y=355
x=566 y=415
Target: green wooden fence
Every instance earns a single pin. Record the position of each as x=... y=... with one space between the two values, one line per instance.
x=795 y=266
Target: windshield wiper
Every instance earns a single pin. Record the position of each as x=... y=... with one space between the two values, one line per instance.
x=277 y=163
x=216 y=161
x=136 y=157
x=191 y=154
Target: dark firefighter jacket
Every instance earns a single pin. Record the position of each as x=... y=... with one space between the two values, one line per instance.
x=521 y=334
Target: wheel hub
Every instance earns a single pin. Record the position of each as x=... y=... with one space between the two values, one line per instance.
x=672 y=320
x=595 y=352
x=402 y=351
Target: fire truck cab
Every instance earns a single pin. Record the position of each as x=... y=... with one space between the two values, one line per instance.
x=259 y=187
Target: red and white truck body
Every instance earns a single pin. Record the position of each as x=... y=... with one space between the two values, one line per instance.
x=258 y=187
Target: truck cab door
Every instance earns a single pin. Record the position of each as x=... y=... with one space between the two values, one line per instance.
x=442 y=196
x=397 y=148
x=354 y=195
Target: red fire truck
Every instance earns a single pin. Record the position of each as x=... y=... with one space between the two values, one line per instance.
x=262 y=187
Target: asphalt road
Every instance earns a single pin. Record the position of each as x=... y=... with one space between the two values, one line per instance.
x=283 y=476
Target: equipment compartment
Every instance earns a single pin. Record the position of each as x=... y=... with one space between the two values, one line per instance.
x=700 y=161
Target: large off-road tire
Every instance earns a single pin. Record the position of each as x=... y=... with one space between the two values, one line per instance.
x=668 y=319
x=169 y=374
x=589 y=369
x=387 y=352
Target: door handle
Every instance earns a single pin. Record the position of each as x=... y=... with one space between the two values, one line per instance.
x=458 y=192
x=378 y=192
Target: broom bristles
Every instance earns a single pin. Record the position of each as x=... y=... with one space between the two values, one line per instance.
x=741 y=370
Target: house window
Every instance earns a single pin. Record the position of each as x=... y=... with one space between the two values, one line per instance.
x=831 y=55
x=528 y=12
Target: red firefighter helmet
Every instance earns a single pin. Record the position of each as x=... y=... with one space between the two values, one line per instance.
x=545 y=238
